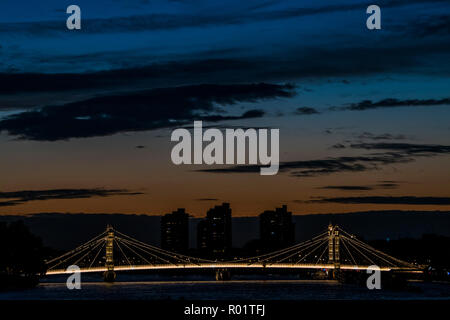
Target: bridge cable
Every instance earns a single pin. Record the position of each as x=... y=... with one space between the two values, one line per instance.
x=368 y=249
x=138 y=246
x=81 y=258
x=311 y=252
x=301 y=250
x=370 y=260
x=120 y=248
x=76 y=249
x=98 y=252
x=129 y=248
x=273 y=254
x=348 y=250
x=290 y=249
x=352 y=237
x=162 y=251
x=323 y=252
x=73 y=255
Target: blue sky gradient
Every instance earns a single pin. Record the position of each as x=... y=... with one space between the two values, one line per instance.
x=75 y=103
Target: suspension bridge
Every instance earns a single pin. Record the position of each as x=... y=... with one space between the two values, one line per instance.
x=334 y=249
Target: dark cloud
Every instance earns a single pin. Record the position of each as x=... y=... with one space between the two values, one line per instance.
x=309 y=168
x=348 y=188
x=393 y=103
x=306 y=111
x=246 y=115
x=233 y=63
x=19 y=197
x=384 y=136
x=400 y=149
x=397 y=153
x=138 y=111
x=405 y=148
x=147 y=76
x=165 y=21
x=290 y=66
x=383 y=185
x=430 y=26
x=413 y=200
x=387 y=185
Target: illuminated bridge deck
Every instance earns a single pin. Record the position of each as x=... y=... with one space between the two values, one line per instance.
x=226 y=266
x=332 y=249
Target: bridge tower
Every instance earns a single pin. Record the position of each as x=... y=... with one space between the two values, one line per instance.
x=109 y=275
x=333 y=248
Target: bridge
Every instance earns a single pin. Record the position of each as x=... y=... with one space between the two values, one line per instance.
x=333 y=249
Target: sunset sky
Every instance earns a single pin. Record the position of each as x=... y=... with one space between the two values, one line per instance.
x=86 y=116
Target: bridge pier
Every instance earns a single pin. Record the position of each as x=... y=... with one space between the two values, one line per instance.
x=109 y=275
x=333 y=251
x=223 y=275
x=336 y=274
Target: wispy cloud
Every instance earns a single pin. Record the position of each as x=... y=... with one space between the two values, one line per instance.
x=206 y=199
x=405 y=148
x=412 y=200
x=393 y=153
x=20 y=197
x=383 y=185
x=430 y=26
x=310 y=168
x=306 y=111
x=393 y=103
x=347 y=188
x=383 y=136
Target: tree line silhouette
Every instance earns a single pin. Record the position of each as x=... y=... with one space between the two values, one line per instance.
x=21 y=256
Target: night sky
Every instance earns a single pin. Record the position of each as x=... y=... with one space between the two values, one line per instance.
x=86 y=116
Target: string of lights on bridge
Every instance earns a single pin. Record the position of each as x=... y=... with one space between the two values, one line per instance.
x=333 y=249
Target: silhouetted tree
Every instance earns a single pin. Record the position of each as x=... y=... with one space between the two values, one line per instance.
x=21 y=252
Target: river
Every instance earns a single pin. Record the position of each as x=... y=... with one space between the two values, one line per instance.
x=203 y=288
